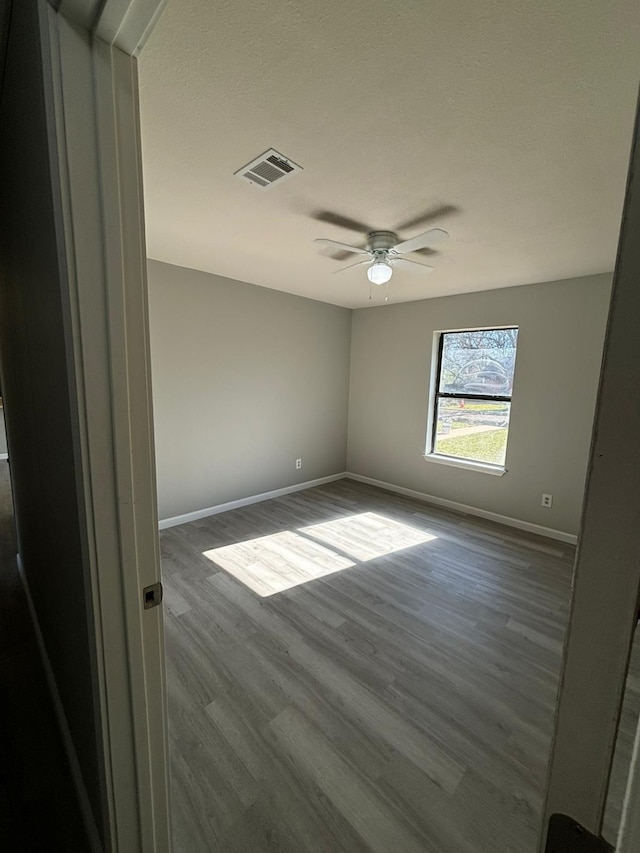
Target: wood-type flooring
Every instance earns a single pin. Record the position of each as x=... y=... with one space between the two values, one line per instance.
x=352 y=670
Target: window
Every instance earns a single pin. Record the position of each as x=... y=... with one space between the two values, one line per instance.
x=472 y=400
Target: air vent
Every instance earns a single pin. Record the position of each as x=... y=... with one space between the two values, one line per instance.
x=268 y=169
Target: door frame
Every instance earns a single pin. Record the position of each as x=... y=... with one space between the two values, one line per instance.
x=89 y=51
x=606 y=580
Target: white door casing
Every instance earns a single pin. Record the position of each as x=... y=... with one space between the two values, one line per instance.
x=94 y=115
x=606 y=583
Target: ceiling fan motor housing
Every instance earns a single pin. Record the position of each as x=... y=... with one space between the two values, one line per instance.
x=381 y=241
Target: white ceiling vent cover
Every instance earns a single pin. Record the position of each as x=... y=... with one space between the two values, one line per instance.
x=268 y=169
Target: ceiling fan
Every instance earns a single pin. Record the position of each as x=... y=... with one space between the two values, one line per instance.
x=383 y=252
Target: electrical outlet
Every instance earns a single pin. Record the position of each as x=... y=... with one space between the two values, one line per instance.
x=547 y=500
x=298 y=464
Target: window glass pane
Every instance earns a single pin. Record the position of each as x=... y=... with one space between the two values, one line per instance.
x=480 y=362
x=472 y=429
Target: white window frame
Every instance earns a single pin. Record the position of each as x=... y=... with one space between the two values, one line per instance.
x=441 y=459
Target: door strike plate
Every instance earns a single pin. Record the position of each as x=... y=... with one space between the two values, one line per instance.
x=152 y=595
x=568 y=836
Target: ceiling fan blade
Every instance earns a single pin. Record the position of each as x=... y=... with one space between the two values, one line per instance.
x=405 y=263
x=422 y=241
x=333 y=244
x=357 y=264
x=341 y=221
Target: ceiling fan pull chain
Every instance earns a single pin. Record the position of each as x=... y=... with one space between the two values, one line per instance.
x=369 y=290
x=386 y=295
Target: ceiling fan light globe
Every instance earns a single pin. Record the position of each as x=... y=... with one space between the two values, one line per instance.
x=379 y=272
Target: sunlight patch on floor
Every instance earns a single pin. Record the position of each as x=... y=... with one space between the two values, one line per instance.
x=280 y=561
x=277 y=562
x=367 y=535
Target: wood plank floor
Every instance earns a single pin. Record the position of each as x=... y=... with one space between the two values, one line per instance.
x=351 y=670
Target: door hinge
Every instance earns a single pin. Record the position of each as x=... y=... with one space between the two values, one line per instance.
x=568 y=836
x=152 y=595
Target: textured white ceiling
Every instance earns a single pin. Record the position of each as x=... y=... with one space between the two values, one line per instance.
x=516 y=117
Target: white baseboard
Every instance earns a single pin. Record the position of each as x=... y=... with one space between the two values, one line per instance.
x=253 y=499
x=63 y=725
x=549 y=532
x=539 y=529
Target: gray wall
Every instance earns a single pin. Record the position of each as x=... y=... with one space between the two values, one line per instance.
x=562 y=328
x=245 y=381
x=40 y=412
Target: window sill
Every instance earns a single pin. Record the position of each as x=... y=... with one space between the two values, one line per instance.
x=468 y=464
